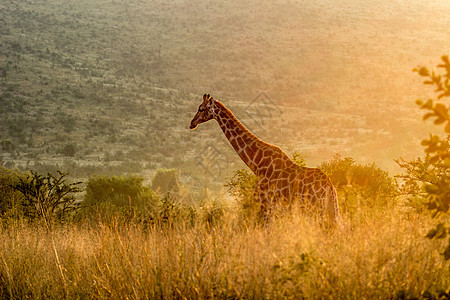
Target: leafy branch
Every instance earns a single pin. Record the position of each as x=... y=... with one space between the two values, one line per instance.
x=430 y=178
x=48 y=197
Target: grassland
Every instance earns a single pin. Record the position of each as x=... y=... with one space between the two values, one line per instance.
x=379 y=253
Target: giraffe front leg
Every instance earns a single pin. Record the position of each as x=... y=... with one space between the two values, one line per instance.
x=265 y=211
x=262 y=196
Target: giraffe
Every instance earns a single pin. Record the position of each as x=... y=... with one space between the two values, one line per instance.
x=280 y=180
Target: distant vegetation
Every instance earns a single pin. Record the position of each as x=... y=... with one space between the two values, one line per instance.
x=109 y=88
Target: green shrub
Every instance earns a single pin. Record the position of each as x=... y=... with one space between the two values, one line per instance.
x=411 y=182
x=109 y=196
x=299 y=159
x=359 y=185
x=212 y=212
x=427 y=180
x=166 y=182
x=10 y=200
x=69 y=150
x=242 y=188
x=46 y=197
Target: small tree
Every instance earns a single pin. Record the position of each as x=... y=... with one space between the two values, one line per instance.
x=359 y=185
x=242 y=188
x=428 y=179
x=119 y=195
x=166 y=182
x=10 y=200
x=47 y=197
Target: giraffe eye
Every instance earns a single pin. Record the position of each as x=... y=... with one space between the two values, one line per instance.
x=201 y=109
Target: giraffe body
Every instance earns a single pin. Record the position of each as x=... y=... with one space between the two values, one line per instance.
x=280 y=180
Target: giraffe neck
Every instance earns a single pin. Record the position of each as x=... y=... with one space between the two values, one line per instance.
x=255 y=153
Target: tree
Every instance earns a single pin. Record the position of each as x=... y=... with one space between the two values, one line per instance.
x=359 y=185
x=166 y=182
x=10 y=202
x=47 y=197
x=111 y=196
x=429 y=178
x=242 y=188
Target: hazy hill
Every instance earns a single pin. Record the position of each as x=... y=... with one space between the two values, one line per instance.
x=110 y=86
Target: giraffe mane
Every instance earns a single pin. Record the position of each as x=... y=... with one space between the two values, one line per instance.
x=252 y=136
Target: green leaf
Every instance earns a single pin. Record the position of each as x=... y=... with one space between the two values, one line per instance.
x=446 y=251
x=441 y=109
x=433 y=160
x=439 y=232
x=427 y=116
x=434 y=139
x=447 y=127
x=439 y=121
x=423 y=71
x=431 y=188
x=426 y=142
x=446 y=162
x=428 y=104
x=432 y=233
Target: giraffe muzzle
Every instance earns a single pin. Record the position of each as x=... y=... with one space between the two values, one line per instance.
x=193 y=125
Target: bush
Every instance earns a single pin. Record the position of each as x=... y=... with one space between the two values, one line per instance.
x=46 y=197
x=69 y=150
x=411 y=182
x=111 y=196
x=212 y=212
x=10 y=200
x=359 y=185
x=166 y=182
x=125 y=198
x=242 y=188
x=427 y=180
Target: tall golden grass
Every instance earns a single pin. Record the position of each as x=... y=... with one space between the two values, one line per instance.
x=378 y=253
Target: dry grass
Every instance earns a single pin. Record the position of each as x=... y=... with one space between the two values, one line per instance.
x=379 y=254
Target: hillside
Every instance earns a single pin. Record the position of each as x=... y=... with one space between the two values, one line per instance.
x=110 y=86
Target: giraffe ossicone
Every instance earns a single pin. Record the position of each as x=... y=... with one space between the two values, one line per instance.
x=280 y=180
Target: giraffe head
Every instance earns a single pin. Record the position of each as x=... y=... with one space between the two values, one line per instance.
x=204 y=112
